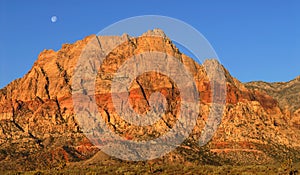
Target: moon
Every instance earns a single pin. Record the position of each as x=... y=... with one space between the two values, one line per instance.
x=54 y=19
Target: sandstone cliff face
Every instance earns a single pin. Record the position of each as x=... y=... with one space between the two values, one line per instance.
x=287 y=95
x=38 y=127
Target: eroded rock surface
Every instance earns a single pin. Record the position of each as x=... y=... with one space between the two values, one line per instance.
x=38 y=126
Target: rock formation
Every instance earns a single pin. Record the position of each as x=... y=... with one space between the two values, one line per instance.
x=39 y=129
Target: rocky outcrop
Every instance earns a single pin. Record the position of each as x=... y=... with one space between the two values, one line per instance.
x=287 y=95
x=38 y=126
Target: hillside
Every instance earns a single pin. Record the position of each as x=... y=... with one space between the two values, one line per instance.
x=40 y=129
x=286 y=93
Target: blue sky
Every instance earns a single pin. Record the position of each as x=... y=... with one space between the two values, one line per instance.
x=255 y=40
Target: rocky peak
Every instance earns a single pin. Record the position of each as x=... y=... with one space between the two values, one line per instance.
x=38 y=123
x=297 y=78
x=155 y=32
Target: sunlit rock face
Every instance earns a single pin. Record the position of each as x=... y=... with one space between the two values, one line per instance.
x=38 y=126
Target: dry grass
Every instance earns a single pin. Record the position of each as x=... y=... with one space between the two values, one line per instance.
x=142 y=168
